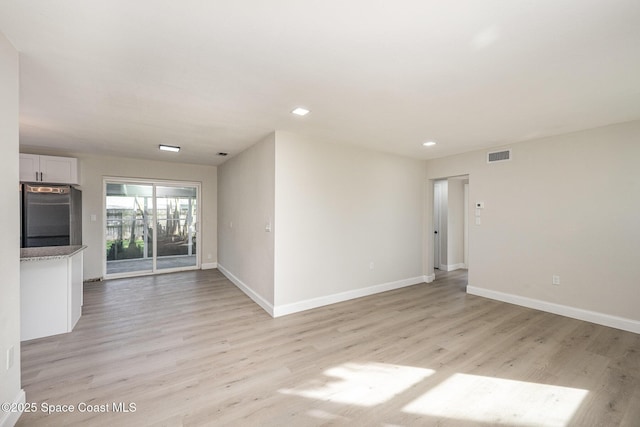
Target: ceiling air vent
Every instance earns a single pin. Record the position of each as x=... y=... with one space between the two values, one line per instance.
x=498 y=156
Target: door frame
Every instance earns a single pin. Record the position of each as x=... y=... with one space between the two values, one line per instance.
x=154 y=183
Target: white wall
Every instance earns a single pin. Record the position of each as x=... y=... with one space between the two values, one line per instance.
x=565 y=205
x=92 y=171
x=10 y=390
x=245 y=207
x=338 y=209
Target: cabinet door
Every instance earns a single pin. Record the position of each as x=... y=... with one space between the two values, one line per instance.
x=59 y=170
x=29 y=167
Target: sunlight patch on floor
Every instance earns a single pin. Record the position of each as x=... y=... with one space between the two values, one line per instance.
x=323 y=415
x=499 y=401
x=363 y=384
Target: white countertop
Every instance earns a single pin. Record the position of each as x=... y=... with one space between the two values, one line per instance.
x=49 y=252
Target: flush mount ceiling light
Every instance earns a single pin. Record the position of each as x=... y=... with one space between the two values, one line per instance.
x=172 y=148
x=429 y=144
x=300 y=111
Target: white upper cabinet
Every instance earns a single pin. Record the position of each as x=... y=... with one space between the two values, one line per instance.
x=29 y=167
x=50 y=169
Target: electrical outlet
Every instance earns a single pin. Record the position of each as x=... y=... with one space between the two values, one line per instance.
x=555 y=280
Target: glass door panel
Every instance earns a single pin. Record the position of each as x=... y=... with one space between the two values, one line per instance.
x=176 y=208
x=129 y=228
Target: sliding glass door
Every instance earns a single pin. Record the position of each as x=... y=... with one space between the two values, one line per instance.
x=129 y=227
x=176 y=232
x=150 y=227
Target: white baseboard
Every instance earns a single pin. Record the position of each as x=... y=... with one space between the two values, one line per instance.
x=9 y=419
x=563 y=310
x=282 y=310
x=452 y=267
x=266 y=306
x=208 y=265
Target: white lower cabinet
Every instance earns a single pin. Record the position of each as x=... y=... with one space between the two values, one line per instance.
x=50 y=296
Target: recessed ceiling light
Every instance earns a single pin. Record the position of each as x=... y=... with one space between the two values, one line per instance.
x=300 y=111
x=429 y=143
x=172 y=148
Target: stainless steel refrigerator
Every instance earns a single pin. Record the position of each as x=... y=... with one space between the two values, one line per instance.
x=51 y=215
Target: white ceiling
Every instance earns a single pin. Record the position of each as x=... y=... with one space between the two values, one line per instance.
x=120 y=77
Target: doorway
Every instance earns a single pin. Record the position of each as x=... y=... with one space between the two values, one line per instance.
x=450 y=223
x=150 y=227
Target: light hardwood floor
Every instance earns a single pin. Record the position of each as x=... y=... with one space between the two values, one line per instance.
x=191 y=349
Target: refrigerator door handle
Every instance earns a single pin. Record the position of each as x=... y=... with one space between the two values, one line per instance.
x=36 y=176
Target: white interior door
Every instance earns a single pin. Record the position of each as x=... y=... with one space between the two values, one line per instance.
x=440 y=223
x=466 y=225
x=437 y=193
